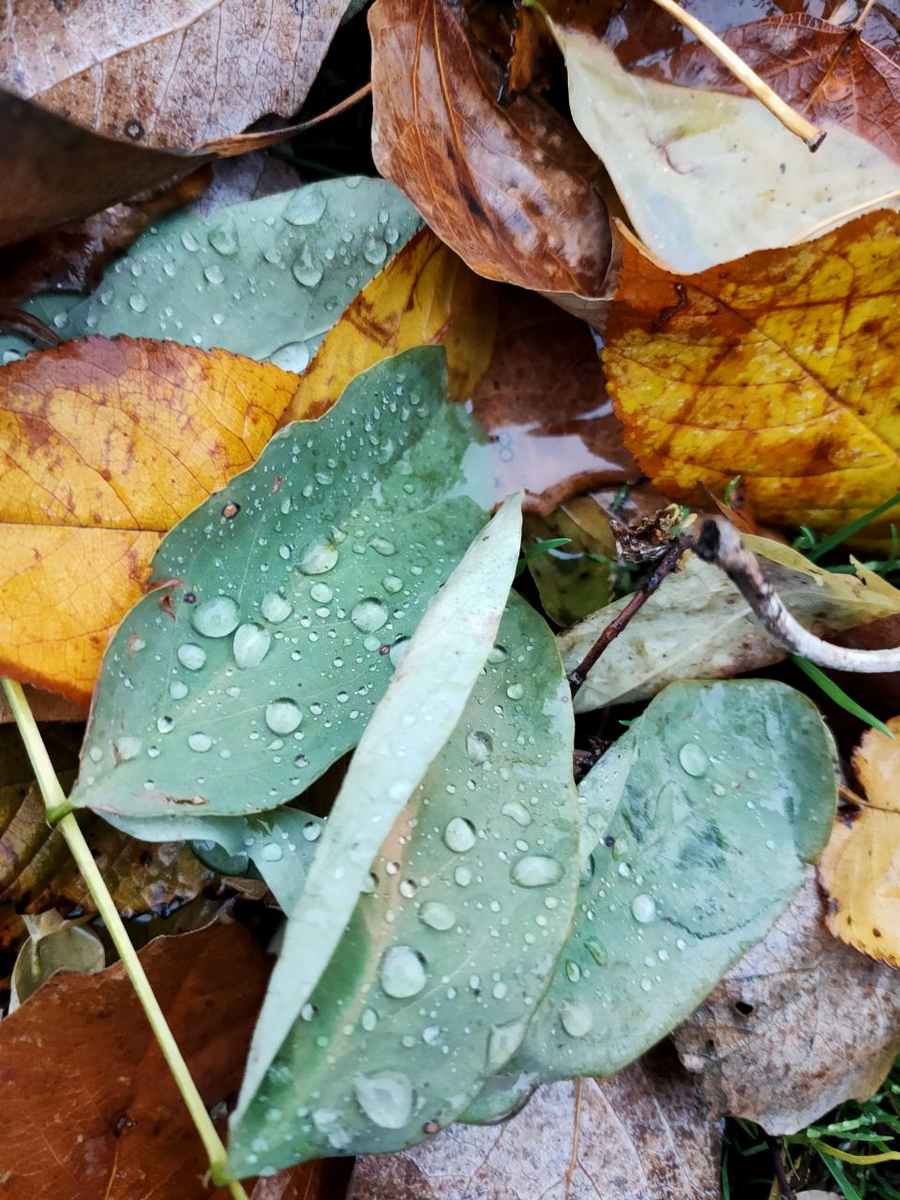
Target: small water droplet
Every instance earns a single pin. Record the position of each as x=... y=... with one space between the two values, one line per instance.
x=189 y=241
x=214 y=274
x=369 y=615
x=294 y=356
x=597 y=952
x=436 y=915
x=576 y=1019
x=643 y=909
x=402 y=972
x=178 y=689
x=321 y=593
x=498 y=654
x=518 y=812
x=399 y=651
x=479 y=746
x=128 y=748
x=200 y=742
x=536 y=870
x=369 y=1019
x=165 y=724
x=459 y=835
x=503 y=1041
x=382 y=546
x=275 y=608
x=515 y=691
x=463 y=876
x=573 y=971
x=138 y=302
x=693 y=761
x=305 y=206
x=250 y=646
x=283 y=716
x=95 y=754
x=191 y=656
x=217 y=617
x=224 y=238
x=305 y=269
x=312 y=830
x=386 y=1098
x=320 y=556
x=271 y=852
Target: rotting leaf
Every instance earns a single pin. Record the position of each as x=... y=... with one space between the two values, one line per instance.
x=859 y=867
x=478 y=878
x=106 y=445
x=258 y=657
x=643 y=1135
x=697 y=625
x=511 y=190
x=779 y=367
x=695 y=828
x=53 y=945
x=801 y=1024
x=571 y=579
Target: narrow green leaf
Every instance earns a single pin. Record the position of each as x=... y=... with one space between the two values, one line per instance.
x=259 y=657
x=721 y=793
x=472 y=894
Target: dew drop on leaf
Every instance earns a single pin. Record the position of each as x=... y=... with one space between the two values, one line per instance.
x=437 y=916
x=576 y=1019
x=369 y=615
x=217 y=617
x=201 y=742
x=191 y=656
x=250 y=646
x=459 y=835
x=643 y=909
x=693 y=761
x=283 y=716
x=386 y=1098
x=402 y=972
x=536 y=870
x=275 y=608
x=319 y=557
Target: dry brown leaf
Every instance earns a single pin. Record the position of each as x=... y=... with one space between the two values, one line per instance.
x=644 y=1135
x=511 y=190
x=860 y=866
x=801 y=1024
x=171 y=73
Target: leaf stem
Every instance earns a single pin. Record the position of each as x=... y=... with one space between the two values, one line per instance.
x=56 y=801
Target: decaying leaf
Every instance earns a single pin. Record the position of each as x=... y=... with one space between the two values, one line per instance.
x=643 y=1135
x=53 y=945
x=509 y=189
x=779 y=367
x=802 y=1023
x=173 y=74
x=697 y=625
x=574 y=578
x=859 y=866
x=106 y=445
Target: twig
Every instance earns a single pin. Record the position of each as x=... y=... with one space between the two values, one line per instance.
x=717 y=541
x=55 y=800
x=839 y=218
x=664 y=567
x=243 y=143
x=791 y=120
x=576 y=1131
x=787 y=1192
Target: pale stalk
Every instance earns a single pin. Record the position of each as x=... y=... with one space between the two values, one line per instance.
x=56 y=802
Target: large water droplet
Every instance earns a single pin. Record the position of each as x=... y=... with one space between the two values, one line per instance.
x=518 y=812
x=294 y=356
x=201 y=742
x=250 y=646
x=321 y=593
x=382 y=546
x=576 y=1019
x=178 y=689
x=386 y=1098
x=515 y=691
x=693 y=760
x=214 y=274
x=643 y=909
x=165 y=724
x=320 y=556
x=399 y=651
x=479 y=746
x=503 y=1041
x=128 y=748
x=536 y=870
x=374 y=250
x=283 y=716
x=305 y=269
x=217 y=617
x=437 y=916
x=459 y=835
x=305 y=206
x=402 y=972
x=369 y=615
x=275 y=608
x=224 y=238
x=191 y=656
x=271 y=852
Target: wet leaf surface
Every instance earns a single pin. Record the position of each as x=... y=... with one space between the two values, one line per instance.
x=800 y=1024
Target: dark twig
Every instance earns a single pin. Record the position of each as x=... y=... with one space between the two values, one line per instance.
x=25 y=325
x=787 y=1192
x=664 y=567
x=243 y=143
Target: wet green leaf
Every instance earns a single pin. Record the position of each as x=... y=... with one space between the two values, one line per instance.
x=432 y=984
x=697 y=826
x=53 y=944
x=258 y=659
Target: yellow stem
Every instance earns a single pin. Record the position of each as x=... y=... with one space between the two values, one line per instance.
x=861 y=1160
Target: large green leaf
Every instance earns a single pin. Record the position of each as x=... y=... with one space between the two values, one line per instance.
x=472 y=894
x=258 y=659
x=267 y=278
x=698 y=825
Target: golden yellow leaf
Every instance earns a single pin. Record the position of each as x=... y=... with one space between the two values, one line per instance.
x=425 y=295
x=105 y=445
x=779 y=367
x=860 y=868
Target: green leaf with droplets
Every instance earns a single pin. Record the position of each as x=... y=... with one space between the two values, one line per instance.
x=267 y=278
x=472 y=894
x=259 y=657
x=696 y=827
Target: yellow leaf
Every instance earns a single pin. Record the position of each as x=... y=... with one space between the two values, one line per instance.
x=860 y=868
x=779 y=367
x=425 y=295
x=105 y=445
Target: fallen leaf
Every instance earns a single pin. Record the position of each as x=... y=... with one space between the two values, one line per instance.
x=859 y=866
x=570 y=580
x=53 y=945
x=778 y=367
x=511 y=190
x=106 y=445
x=174 y=74
x=45 y=705
x=698 y=626
x=801 y=1024
x=37 y=871
x=707 y=177
x=324 y=1179
x=643 y=1135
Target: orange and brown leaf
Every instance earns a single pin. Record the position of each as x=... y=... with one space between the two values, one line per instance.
x=779 y=367
x=860 y=867
x=106 y=444
x=511 y=190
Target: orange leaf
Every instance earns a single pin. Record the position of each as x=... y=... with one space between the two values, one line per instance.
x=105 y=445
x=860 y=867
x=779 y=367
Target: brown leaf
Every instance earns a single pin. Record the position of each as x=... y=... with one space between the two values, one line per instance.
x=167 y=74
x=509 y=189
x=37 y=871
x=644 y=1135
x=801 y=1024
x=543 y=401
x=323 y=1179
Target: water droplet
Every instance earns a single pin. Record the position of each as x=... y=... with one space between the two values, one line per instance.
x=369 y=615
x=189 y=241
x=275 y=608
x=305 y=269
x=693 y=761
x=643 y=909
x=576 y=1019
x=368 y=1019
x=191 y=656
x=321 y=593
x=374 y=250
x=437 y=916
x=271 y=852
x=305 y=206
x=312 y=830
x=138 y=302
x=224 y=238
x=399 y=651
x=518 y=812
x=250 y=646
x=217 y=617
x=536 y=870
x=597 y=952
x=128 y=748
x=386 y=1098
x=319 y=557
x=95 y=754
x=177 y=689
x=165 y=724
x=283 y=716
x=498 y=654
x=459 y=835
x=200 y=742
x=402 y=972
x=573 y=971
x=478 y=747
x=515 y=691
x=294 y=356
x=382 y=546
x=463 y=876
x=214 y=274
x=503 y=1041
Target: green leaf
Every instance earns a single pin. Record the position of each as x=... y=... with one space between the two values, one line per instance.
x=434 y=979
x=258 y=659
x=699 y=822
x=267 y=278
x=53 y=945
